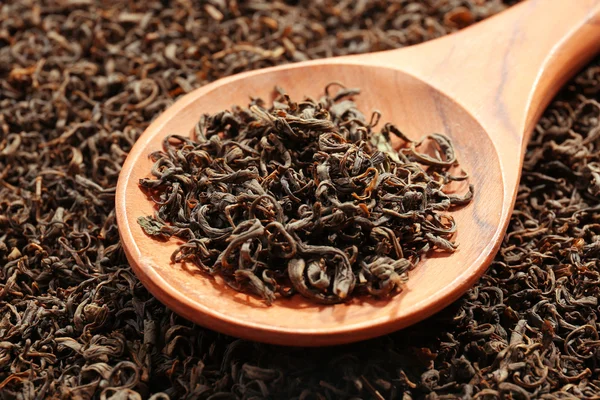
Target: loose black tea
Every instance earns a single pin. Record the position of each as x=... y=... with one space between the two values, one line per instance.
x=304 y=197
x=79 y=82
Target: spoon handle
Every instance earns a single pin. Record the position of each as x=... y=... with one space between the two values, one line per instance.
x=505 y=70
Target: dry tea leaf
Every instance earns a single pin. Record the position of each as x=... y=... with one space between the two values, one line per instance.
x=45 y=211
x=298 y=198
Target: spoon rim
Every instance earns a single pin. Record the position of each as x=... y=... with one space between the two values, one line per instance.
x=200 y=313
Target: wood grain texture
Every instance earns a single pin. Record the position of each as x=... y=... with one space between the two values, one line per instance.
x=484 y=87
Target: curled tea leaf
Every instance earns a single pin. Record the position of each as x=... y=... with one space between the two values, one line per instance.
x=267 y=197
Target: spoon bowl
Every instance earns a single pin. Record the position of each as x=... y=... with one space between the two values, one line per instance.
x=416 y=89
x=403 y=100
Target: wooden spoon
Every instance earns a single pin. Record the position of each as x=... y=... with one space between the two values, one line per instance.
x=485 y=87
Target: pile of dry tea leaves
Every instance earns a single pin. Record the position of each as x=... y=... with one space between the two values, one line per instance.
x=304 y=197
x=80 y=80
